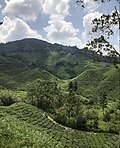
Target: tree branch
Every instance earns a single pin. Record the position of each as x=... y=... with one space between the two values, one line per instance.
x=118 y=16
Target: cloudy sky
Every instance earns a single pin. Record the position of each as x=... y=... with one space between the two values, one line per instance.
x=56 y=21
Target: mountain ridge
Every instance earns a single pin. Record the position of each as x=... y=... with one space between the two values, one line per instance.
x=32 y=57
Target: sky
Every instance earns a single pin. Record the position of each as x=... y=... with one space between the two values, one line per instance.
x=55 y=21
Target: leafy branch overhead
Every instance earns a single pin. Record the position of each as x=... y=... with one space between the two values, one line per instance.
x=101 y=44
x=105 y=26
x=78 y=2
x=106 y=23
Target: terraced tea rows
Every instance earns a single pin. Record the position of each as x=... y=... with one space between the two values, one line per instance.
x=43 y=132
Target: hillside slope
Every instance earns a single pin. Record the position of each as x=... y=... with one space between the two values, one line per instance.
x=92 y=82
x=23 y=125
x=29 y=59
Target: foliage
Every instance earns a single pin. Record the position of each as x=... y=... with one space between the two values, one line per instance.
x=106 y=117
x=92 y=119
x=7 y=100
x=44 y=94
x=90 y=83
x=81 y=122
x=23 y=125
x=17 y=58
x=72 y=87
x=16 y=95
x=103 y=101
x=71 y=114
x=105 y=26
x=106 y=23
x=100 y=45
x=75 y=87
x=98 y=79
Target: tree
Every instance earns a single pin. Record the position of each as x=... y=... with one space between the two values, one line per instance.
x=81 y=121
x=92 y=119
x=44 y=94
x=106 y=117
x=73 y=105
x=103 y=101
x=105 y=25
x=70 y=88
x=75 y=87
x=7 y=100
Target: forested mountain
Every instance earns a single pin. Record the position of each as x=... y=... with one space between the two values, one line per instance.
x=28 y=59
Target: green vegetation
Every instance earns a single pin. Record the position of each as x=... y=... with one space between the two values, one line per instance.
x=105 y=25
x=44 y=94
x=57 y=96
x=94 y=81
x=29 y=59
x=70 y=109
x=23 y=125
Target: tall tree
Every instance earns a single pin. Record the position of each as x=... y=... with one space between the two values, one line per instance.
x=103 y=101
x=70 y=87
x=75 y=87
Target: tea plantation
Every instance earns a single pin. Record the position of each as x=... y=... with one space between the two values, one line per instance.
x=25 y=126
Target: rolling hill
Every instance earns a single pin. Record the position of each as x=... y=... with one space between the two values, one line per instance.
x=23 y=125
x=22 y=62
x=28 y=59
x=92 y=82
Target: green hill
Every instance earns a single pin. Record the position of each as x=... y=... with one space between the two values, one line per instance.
x=96 y=80
x=23 y=125
x=21 y=80
x=28 y=59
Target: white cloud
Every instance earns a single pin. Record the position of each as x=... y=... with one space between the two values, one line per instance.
x=90 y=6
x=59 y=29
x=57 y=7
x=0 y=13
x=88 y=25
x=62 y=32
x=73 y=41
x=25 y=9
x=14 y=29
x=117 y=48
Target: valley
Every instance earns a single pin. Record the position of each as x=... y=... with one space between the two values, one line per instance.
x=37 y=83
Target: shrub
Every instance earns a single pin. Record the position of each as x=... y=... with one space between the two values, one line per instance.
x=114 y=128
x=81 y=122
x=44 y=94
x=91 y=114
x=92 y=124
x=7 y=100
x=61 y=118
x=106 y=117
